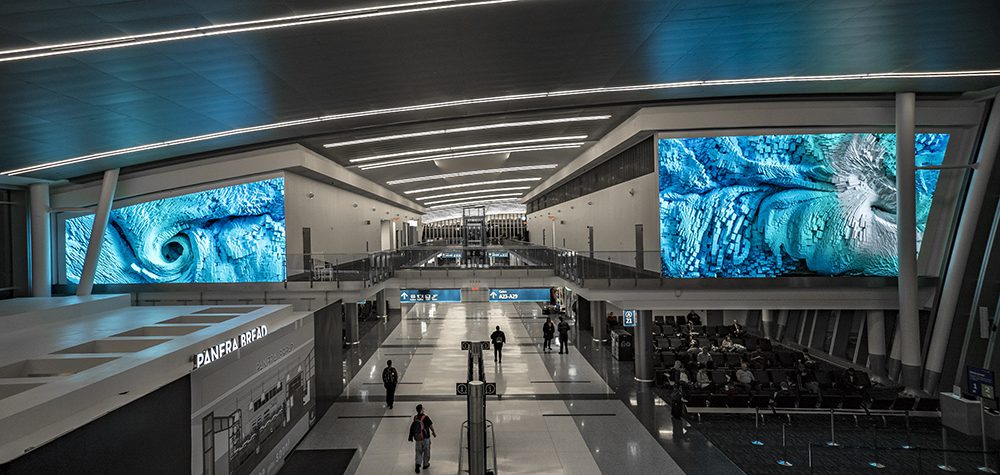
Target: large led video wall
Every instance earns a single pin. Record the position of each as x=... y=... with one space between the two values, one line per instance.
x=779 y=205
x=230 y=234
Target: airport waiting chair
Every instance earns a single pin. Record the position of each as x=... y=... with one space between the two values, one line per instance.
x=717 y=400
x=928 y=404
x=760 y=400
x=763 y=377
x=903 y=404
x=697 y=400
x=750 y=344
x=738 y=400
x=786 y=402
x=786 y=359
x=732 y=360
x=852 y=401
x=669 y=358
x=831 y=401
x=880 y=404
x=808 y=401
x=718 y=377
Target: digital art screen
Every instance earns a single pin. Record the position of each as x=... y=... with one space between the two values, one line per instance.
x=779 y=205
x=230 y=234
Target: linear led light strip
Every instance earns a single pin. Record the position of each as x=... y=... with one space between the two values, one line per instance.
x=512 y=98
x=238 y=27
x=488 y=171
x=477 y=153
x=458 y=148
x=498 y=195
x=460 y=193
x=466 y=203
x=467 y=129
x=478 y=183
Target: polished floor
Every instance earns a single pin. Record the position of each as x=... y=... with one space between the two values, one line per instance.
x=555 y=414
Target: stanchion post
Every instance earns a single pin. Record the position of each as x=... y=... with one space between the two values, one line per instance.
x=907 y=445
x=784 y=449
x=756 y=428
x=833 y=435
x=986 y=451
x=876 y=464
x=944 y=465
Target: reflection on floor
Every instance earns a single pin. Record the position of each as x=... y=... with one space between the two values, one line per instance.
x=556 y=414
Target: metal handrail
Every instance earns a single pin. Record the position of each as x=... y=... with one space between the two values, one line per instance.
x=490 y=442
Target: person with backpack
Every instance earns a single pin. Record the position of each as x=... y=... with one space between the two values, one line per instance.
x=498 y=339
x=421 y=431
x=548 y=333
x=390 y=378
x=563 y=336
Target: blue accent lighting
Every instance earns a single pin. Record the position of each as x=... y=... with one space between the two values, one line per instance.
x=519 y=295
x=430 y=296
x=779 y=205
x=230 y=234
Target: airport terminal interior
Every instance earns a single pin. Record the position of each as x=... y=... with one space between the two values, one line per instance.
x=575 y=237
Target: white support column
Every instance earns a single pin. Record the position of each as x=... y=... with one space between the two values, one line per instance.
x=960 y=251
x=108 y=187
x=906 y=240
x=767 y=322
x=876 y=342
x=892 y=368
x=782 y=323
x=41 y=249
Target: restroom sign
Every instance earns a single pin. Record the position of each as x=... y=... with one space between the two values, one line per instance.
x=628 y=318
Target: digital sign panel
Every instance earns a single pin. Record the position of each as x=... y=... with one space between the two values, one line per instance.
x=230 y=234
x=430 y=295
x=519 y=295
x=778 y=205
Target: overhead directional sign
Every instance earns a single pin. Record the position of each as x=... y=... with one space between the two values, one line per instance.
x=466 y=345
x=629 y=317
x=430 y=295
x=519 y=295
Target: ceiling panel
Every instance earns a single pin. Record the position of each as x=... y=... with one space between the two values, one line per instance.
x=67 y=106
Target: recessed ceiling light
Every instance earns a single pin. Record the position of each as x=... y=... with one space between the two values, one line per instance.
x=498 y=195
x=21 y=54
x=512 y=98
x=477 y=153
x=458 y=148
x=460 y=193
x=467 y=203
x=488 y=171
x=466 y=185
x=467 y=129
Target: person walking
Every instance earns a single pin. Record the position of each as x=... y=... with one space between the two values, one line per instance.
x=390 y=378
x=421 y=430
x=548 y=333
x=498 y=339
x=563 y=336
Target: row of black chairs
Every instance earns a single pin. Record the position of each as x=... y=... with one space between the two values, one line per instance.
x=707 y=331
x=776 y=359
x=763 y=400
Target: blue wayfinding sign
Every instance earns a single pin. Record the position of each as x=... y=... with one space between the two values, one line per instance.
x=430 y=295
x=629 y=317
x=981 y=382
x=519 y=295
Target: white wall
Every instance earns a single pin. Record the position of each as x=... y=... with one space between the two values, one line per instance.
x=337 y=217
x=613 y=212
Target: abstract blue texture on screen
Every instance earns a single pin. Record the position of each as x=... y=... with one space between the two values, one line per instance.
x=773 y=205
x=230 y=234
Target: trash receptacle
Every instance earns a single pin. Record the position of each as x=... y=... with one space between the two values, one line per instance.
x=621 y=345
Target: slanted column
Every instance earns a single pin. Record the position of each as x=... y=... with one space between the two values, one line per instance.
x=643 y=341
x=906 y=240
x=41 y=249
x=380 y=303
x=108 y=186
x=960 y=251
x=782 y=324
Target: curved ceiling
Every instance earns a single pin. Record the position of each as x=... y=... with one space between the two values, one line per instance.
x=89 y=102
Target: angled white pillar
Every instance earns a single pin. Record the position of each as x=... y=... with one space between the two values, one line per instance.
x=41 y=249
x=960 y=251
x=767 y=322
x=108 y=187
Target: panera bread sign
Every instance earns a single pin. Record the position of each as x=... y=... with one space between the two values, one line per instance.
x=214 y=352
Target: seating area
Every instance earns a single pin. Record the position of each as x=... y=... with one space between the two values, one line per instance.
x=726 y=367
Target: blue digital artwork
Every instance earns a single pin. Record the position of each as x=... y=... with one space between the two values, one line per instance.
x=230 y=234
x=779 y=205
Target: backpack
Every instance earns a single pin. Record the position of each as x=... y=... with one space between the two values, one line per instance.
x=417 y=428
